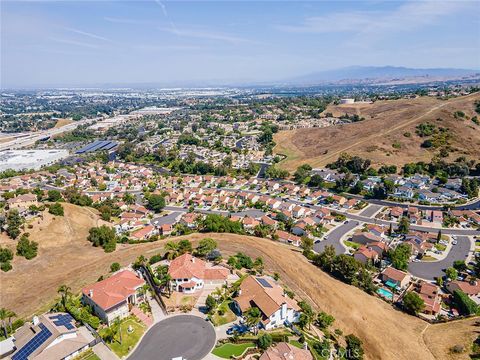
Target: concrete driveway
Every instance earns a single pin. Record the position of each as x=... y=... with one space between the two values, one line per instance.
x=429 y=270
x=186 y=336
x=333 y=238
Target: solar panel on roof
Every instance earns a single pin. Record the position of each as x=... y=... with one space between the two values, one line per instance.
x=110 y=146
x=264 y=282
x=63 y=320
x=97 y=146
x=33 y=344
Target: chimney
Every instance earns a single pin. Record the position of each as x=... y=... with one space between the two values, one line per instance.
x=193 y=260
x=35 y=320
x=90 y=293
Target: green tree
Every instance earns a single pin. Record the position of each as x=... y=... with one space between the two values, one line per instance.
x=354 y=348
x=205 y=246
x=210 y=303
x=114 y=267
x=400 y=256
x=26 y=247
x=54 y=195
x=13 y=222
x=184 y=246
x=324 y=320
x=65 y=292
x=156 y=203
x=103 y=236
x=264 y=341
x=465 y=305
x=253 y=316
x=403 y=225
x=451 y=273
x=56 y=209
x=172 y=250
x=413 y=303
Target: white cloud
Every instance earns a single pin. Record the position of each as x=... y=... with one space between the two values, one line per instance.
x=87 y=34
x=74 y=42
x=407 y=17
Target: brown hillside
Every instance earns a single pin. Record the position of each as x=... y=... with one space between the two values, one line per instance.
x=385 y=124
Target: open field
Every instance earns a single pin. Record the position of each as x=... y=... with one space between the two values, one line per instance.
x=386 y=333
x=385 y=124
x=62 y=122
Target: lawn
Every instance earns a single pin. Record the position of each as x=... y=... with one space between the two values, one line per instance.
x=227 y=317
x=352 y=244
x=87 y=355
x=128 y=340
x=440 y=247
x=226 y=351
x=296 y=343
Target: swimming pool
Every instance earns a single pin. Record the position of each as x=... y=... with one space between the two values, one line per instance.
x=385 y=293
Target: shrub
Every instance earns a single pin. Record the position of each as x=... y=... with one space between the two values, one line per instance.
x=56 y=209
x=115 y=267
x=26 y=247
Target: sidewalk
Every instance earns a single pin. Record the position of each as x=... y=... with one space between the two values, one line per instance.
x=157 y=311
x=103 y=352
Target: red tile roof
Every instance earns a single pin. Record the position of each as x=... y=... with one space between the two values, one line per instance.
x=114 y=290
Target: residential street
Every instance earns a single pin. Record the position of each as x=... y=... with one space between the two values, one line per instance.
x=429 y=270
x=333 y=238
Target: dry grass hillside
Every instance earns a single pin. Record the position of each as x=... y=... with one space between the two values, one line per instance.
x=381 y=136
x=66 y=257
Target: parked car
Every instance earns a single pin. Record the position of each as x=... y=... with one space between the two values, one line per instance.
x=238 y=328
x=454 y=242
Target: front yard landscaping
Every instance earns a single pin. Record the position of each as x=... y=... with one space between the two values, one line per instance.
x=223 y=314
x=128 y=339
x=226 y=351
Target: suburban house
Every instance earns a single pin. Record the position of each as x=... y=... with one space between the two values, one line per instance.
x=22 y=201
x=471 y=288
x=270 y=298
x=365 y=238
x=366 y=255
x=190 y=274
x=49 y=336
x=112 y=297
x=286 y=351
x=395 y=278
x=144 y=233
x=288 y=238
x=429 y=294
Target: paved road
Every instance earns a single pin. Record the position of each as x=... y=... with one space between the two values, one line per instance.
x=429 y=270
x=186 y=336
x=371 y=210
x=471 y=206
x=333 y=238
x=167 y=219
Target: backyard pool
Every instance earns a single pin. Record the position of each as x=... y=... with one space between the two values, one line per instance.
x=385 y=293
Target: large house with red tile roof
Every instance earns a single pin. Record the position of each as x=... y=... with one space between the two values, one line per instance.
x=270 y=298
x=110 y=298
x=190 y=274
x=286 y=351
x=395 y=278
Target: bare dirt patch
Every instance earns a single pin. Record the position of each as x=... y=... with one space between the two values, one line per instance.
x=385 y=123
x=62 y=122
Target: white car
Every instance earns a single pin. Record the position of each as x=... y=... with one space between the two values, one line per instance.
x=454 y=242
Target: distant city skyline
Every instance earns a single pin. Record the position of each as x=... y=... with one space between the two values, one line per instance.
x=73 y=43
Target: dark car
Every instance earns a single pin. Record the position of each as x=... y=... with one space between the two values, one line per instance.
x=239 y=329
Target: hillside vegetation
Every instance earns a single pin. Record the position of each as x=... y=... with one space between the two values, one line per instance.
x=393 y=133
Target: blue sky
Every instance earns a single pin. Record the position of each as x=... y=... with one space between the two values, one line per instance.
x=78 y=43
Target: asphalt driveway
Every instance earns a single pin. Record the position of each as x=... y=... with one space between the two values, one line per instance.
x=186 y=336
x=333 y=238
x=429 y=270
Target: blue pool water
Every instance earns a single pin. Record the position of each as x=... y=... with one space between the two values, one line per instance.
x=385 y=293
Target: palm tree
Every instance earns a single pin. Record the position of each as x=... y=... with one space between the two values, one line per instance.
x=118 y=328
x=65 y=291
x=172 y=250
x=253 y=317
x=10 y=315
x=3 y=317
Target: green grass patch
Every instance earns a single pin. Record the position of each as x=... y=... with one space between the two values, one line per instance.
x=440 y=247
x=296 y=343
x=87 y=355
x=129 y=340
x=226 y=351
x=352 y=244
x=227 y=317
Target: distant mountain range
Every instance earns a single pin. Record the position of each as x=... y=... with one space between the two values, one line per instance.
x=378 y=74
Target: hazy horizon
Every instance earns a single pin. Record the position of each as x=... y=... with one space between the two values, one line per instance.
x=70 y=43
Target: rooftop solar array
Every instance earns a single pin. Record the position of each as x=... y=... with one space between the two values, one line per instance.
x=63 y=320
x=264 y=282
x=97 y=145
x=33 y=344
